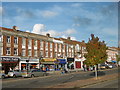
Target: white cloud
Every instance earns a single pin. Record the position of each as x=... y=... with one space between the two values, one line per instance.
x=38 y=28
x=1 y=10
x=48 y=14
x=76 y=5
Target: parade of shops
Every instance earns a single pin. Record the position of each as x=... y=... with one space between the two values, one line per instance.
x=19 y=49
x=22 y=50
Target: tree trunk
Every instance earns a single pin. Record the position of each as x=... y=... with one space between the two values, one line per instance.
x=95 y=71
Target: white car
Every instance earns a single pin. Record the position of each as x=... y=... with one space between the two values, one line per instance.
x=14 y=73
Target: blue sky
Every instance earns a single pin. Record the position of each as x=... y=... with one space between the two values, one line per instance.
x=62 y=19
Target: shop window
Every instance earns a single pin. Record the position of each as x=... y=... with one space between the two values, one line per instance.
x=15 y=51
x=8 y=51
x=23 y=52
x=15 y=40
x=8 y=39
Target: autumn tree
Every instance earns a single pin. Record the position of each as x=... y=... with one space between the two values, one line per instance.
x=96 y=51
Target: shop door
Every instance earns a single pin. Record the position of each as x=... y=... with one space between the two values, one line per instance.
x=78 y=64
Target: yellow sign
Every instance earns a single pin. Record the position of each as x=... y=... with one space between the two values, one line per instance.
x=48 y=60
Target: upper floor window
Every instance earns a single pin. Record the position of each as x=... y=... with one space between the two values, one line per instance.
x=56 y=45
x=41 y=43
x=15 y=40
x=35 y=53
x=24 y=41
x=8 y=39
x=29 y=42
x=35 y=43
x=0 y=38
x=15 y=51
x=8 y=51
x=46 y=53
x=23 y=52
x=50 y=45
x=51 y=54
x=46 y=44
x=0 y=50
x=29 y=52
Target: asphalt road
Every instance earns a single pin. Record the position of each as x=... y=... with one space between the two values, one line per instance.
x=106 y=84
x=42 y=82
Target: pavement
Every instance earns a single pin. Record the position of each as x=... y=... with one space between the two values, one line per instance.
x=86 y=82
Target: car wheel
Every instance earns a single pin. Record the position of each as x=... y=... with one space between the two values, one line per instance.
x=32 y=76
x=14 y=76
x=3 y=76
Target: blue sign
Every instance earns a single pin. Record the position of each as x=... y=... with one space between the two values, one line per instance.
x=62 y=61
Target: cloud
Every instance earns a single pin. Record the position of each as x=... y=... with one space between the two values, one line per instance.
x=1 y=10
x=48 y=14
x=76 y=5
x=81 y=21
x=40 y=29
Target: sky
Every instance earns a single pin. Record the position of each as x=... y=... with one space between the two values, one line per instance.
x=62 y=19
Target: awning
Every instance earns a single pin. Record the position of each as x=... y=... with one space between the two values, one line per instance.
x=47 y=63
x=114 y=61
x=62 y=61
x=48 y=60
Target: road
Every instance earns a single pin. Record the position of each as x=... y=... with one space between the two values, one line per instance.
x=42 y=82
x=106 y=84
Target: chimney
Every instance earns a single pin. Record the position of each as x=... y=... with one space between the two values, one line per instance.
x=48 y=35
x=15 y=28
x=68 y=38
x=83 y=41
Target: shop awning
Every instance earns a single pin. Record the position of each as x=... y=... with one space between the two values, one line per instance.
x=62 y=61
x=114 y=61
x=48 y=60
x=47 y=63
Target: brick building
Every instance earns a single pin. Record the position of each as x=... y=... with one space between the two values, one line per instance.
x=18 y=48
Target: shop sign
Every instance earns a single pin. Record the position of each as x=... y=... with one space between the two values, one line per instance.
x=10 y=59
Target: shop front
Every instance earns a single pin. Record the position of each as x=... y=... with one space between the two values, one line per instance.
x=8 y=63
x=70 y=63
x=62 y=63
x=49 y=64
x=28 y=64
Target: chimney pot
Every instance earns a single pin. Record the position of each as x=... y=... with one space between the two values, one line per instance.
x=48 y=35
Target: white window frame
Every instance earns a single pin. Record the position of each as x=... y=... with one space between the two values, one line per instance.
x=8 y=51
x=41 y=44
x=35 y=53
x=23 y=52
x=29 y=52
x=51 y=54
x=23 y=41
x=15 y=40
x=46 y=53
x=35 y=43
x=29 y=42
x=8 y=39
x=15 y=53
x=50 y=45
x=1 y=38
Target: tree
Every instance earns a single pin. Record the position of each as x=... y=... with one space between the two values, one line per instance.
x=96 y=52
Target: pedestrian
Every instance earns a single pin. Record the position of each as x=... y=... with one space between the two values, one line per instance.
x=83 y=67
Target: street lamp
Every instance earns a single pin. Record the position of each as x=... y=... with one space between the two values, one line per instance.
x=40 y=60
x=27 y=65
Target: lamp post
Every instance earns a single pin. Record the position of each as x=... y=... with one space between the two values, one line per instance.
x=27 y=65
x=40 y=60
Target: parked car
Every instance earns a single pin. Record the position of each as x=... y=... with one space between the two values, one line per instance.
x=109 y=66
x=34 y=73
x=15 y=73
x=2 y=75
x=103 y=66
